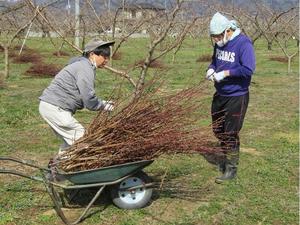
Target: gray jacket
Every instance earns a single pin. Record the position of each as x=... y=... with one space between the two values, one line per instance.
x=73 y=87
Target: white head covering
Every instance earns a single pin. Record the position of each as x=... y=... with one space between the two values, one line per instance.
x=235 y=27
x=233 y=24
x=218 y=24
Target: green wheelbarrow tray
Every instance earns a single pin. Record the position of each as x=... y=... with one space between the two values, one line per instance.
x=105 y=174
x=130 y=187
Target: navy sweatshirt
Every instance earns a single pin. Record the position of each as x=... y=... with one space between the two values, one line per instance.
x=238 y=57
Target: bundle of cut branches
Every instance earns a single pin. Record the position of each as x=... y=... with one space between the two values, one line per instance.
x=142 y=130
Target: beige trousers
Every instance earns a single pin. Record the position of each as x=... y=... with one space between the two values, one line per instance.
x=62 y=122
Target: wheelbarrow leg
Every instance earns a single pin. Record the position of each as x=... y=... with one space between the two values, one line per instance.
x=57 y=206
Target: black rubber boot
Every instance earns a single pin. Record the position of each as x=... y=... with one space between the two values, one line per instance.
x=229 y=174
x=222 y=167
x=230 y=168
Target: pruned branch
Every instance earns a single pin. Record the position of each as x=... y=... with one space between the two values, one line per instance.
x=121 y=73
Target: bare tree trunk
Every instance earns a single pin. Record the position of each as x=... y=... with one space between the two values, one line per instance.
x=60 y=48
x=83 y=33
x=289 y=64
x=141 y=81
x=173 y=56
x=288 y=55
x=26 y=36
x=45 y=31
x=77 y=23
x=6 y=62
x=113 y=29
x=269 y=45
x=2 y=79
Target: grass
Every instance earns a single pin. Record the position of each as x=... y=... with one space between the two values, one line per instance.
x=266 y=191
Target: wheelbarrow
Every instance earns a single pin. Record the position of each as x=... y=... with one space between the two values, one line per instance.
x=129 y=186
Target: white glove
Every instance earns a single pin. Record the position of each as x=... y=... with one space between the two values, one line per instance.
x=108 y=105
x=210 y=74
x=219 y=76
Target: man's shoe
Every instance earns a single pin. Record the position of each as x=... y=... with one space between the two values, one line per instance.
x=229 y=174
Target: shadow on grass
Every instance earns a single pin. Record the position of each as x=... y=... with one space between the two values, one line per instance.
x=81 y=197
x=181 y=188
x=76 y=201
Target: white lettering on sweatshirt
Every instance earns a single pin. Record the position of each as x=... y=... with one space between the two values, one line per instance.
x=225 y=55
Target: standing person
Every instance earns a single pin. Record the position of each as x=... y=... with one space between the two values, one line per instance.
x=73 y=89
x=232 y=66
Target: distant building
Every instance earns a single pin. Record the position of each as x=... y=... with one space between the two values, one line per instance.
x=138 y=10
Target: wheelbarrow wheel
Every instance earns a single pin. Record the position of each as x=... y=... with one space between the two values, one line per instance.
x=135 y=197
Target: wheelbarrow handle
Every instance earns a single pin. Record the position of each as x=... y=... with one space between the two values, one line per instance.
x=58 y=208
x=24 y=162
x=137 y=187
x=14 y=172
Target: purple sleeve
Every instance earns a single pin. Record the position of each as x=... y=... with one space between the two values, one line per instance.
x=213 y=61
x=247 y=61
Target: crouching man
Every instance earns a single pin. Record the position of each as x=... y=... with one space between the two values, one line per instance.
x=72 y=89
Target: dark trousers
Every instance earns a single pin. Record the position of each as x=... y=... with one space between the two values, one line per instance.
x=228 y=115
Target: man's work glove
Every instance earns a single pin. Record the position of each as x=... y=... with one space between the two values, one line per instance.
x=219 y=76
x=210 y=74
x=108 y=105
